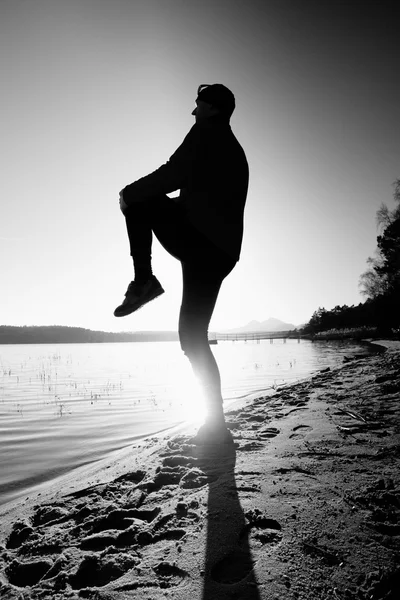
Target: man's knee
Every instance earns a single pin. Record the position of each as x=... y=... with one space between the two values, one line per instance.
x=192 y=343
x=185 y=342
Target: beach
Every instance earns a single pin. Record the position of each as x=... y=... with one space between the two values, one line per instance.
x=305 y=505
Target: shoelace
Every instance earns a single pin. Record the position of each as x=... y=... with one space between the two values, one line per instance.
x=131 y=288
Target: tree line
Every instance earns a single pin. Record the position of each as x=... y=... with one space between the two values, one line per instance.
x=380 y=283
x=58 y=334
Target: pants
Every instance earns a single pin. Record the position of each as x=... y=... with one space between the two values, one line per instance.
x=204 y=267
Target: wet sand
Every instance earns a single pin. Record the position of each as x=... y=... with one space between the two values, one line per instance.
x=306 y=505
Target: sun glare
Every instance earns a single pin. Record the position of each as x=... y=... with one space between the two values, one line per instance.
x=190 y=403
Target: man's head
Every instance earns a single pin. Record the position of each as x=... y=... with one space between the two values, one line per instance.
x=214 y=100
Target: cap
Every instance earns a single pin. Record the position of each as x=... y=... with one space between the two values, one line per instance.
x=219 y=96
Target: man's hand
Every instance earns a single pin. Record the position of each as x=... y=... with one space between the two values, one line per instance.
x=123 y=206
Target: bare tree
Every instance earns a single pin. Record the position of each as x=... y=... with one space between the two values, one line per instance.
x=385 y=216
x=372 y=282
x=396 y=193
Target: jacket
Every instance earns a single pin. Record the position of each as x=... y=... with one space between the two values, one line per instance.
x=211 y=171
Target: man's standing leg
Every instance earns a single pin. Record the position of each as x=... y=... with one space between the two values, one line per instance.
x=200 y=293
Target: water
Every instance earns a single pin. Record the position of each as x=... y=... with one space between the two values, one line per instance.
x=66 y=405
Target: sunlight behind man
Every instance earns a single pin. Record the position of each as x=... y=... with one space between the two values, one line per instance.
x=190 y=402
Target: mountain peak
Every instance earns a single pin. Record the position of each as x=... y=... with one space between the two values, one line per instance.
x=271 y=324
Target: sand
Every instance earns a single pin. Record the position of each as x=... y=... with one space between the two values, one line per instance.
x=306 y=505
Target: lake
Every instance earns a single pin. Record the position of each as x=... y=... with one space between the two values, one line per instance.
x=66 y=405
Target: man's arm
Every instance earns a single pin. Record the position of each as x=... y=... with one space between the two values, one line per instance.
x=171 y=176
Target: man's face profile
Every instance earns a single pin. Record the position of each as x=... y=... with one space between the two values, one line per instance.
x=204 y=110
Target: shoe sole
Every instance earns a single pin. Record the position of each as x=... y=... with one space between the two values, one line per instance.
x=130 y=310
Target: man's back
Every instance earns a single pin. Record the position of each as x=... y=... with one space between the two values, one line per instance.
x=215 y=193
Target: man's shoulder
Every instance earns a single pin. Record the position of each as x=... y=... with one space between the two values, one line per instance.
x=193 y=136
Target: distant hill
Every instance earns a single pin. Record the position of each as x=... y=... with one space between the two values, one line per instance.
x=270 y=324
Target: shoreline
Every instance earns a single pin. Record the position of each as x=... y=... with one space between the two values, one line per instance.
x=26 y=483
x=300 y=508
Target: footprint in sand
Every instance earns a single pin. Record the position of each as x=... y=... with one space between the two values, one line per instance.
x=106 y=524
x=98 y=571
x=258 y=531
x=256 y=440
x=22 y=574
x=301 y=434
x=169 y=526
x=169 y=574
x=122 y=482
x=252 y=446
x=100 y=521
x=121 y=519
x=20 y=532
x=164 y=575
x=255 y=417
x=248 y=481
x=166 y=476
x=268 y=432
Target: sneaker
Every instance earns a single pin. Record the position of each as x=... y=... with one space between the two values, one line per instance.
x=137 y=295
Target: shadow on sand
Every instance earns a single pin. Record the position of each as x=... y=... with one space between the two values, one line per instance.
x=228 y=571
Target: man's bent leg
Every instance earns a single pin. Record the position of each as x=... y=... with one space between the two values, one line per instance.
x=145 y=287
x=162 y=216
x=140 y=236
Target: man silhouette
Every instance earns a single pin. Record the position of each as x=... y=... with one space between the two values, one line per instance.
x=202 y=228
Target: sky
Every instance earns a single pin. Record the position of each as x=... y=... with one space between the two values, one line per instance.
x=96 y=94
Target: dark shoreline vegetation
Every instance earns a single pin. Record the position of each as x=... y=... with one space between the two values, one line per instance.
x=380 y=284
x=58 y=334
